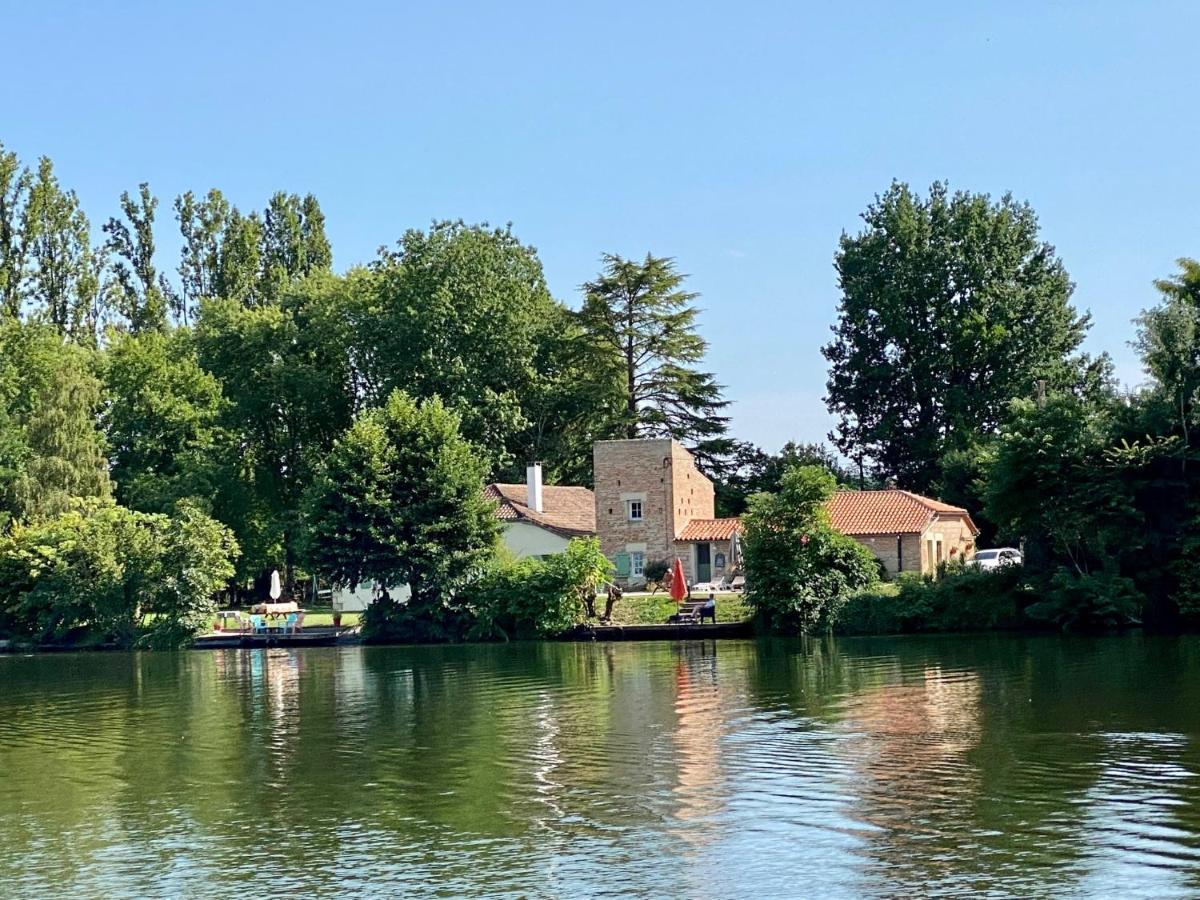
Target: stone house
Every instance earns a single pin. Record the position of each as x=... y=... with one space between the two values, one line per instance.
x=653 y=503
x=905 y=531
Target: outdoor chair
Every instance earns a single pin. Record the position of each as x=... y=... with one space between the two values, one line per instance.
x=258 y=624
x=289 y=623
x=687 y=614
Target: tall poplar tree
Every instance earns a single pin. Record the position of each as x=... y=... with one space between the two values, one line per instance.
x=142 y=294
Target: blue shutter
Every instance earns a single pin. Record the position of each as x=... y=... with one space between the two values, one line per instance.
x=623 y=567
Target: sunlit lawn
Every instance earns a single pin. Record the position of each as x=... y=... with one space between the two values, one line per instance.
x=654 y=609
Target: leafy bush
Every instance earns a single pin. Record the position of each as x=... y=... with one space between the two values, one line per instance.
x=96 y=573
x=530 y=598
x=387 y=621
x=656 y=571
x=799 y=570
x=961 y=599
x=1089 y=602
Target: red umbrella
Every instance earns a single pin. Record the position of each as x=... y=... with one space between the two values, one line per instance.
x=679 y=588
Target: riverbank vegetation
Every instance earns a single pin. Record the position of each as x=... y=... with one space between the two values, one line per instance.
x=171 y=431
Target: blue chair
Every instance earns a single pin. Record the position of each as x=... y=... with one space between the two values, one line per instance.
x=258 y=624
x=289 y=624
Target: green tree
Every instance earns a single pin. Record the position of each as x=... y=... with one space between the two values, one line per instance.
x=240 y=260
x=458 y=312
x=951 y=306
x=1063 y=485
x=641 y=323
x=293 y=243
x=751 y=470
x=54 y=401
x=15 y=182
x=98 y=571
x=400 y=501
x=203 y=225
x=163 y=419
x=142 y=295
x=63 y=274
x=284 y=371
x=1168 y=340
x=799 y=570
x=571 y=403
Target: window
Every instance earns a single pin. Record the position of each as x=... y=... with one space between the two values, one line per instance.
x=635 y=510
x=637 y=563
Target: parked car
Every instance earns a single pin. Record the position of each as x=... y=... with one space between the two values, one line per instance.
x=997 y=558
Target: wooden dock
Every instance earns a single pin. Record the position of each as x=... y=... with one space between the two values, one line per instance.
x=306 y=637
x=663 y=632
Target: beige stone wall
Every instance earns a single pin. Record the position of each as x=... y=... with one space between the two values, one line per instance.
x=686 y=551
x=884 y=548
x=673 y=492
x=692 y=492
x=954 y=534
x=623 y=470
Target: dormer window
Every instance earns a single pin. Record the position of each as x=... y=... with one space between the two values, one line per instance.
x=635 y=510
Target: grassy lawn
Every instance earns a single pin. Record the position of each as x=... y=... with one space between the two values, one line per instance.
x=654 y=609
x=322 y=617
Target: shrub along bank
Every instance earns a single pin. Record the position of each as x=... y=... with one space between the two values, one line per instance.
x=970 y=599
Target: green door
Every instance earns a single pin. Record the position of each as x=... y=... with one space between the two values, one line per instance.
x=703 y=563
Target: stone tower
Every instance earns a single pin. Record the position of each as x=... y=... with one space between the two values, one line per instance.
x=646 y=491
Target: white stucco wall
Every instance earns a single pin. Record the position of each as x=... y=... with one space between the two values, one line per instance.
x=346 y=600
x=523 y=539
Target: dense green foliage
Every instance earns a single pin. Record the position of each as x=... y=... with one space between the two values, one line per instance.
x=399 y=501
x=343 y=424
x=799 y=571
x=529 y=598
x=750 y=470
x=952 y=305
x=102 y=573
x=641 y=325
x=961 y=599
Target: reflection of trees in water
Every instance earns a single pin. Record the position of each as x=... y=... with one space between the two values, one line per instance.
x=1026 y=766
x=979 y=758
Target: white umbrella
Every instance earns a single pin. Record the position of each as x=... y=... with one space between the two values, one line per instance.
x=276 y=587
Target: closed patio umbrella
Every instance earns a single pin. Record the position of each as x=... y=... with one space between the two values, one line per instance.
x=276 y=588
x=679 y=588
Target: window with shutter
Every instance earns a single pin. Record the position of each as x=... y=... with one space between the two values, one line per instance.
x=622 y=561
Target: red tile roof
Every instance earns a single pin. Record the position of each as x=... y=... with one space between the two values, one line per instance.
x=708 y=530
x=888 y=512
x=569 y=511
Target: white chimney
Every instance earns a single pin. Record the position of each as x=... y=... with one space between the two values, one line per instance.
x=533 y=486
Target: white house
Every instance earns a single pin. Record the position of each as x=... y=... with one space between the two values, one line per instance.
x=540 y=519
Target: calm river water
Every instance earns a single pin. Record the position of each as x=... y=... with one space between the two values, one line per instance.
x=864 y=767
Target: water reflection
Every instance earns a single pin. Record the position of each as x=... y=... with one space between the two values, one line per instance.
x=845 y=768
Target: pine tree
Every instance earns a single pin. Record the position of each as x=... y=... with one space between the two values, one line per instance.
x=639 y=319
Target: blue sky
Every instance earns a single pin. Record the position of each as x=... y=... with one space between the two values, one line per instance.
x=741 y=139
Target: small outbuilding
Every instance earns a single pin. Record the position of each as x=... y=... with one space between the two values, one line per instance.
x=907 y=532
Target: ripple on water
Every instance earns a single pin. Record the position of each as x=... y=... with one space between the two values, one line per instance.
x=884 y=768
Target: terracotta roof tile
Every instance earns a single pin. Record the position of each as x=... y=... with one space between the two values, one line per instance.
x=569 y=511
x=887 y=512
x=708 y=530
